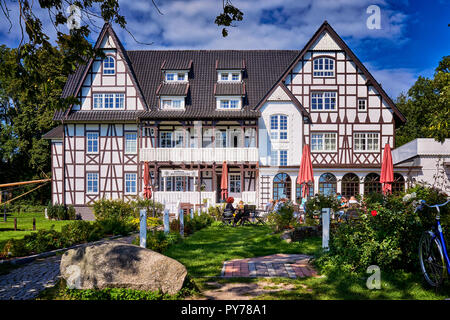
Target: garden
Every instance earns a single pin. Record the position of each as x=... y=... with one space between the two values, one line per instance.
x=386 y=234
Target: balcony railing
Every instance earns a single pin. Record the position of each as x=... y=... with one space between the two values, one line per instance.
x=199 y=154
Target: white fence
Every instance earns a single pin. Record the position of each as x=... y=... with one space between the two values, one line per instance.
x=199 y=154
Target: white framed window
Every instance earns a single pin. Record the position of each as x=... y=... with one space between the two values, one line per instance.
x=165 y=139
x=274 y=157
x=109 y=100
x=364 y=141
x=362 y=104
x=169 y=103
x=278 y=127
x=173 y=76
x=283 y=157
x=92 y=142
x=229 y=103
x=324 y=142
x=323 y=100
x=130 y=183
x=109 y=65
x=92 y=182
x=131 y=142
x=323 y=67
x=235 y=183
x=229 y=76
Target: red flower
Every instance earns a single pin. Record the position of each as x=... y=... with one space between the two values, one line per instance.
x=373 y=213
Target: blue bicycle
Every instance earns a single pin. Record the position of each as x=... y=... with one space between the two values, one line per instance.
x=433 y=256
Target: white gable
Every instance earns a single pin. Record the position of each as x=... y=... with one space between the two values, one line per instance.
x=279 y=95
x=107 y=43
x=325 y=42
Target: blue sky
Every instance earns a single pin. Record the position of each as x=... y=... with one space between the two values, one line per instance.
x=414 y=35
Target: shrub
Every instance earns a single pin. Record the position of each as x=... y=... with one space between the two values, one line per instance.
x=388 y=239
x=115 y=226
x=81 y=231
x=15 y=248
x=283 y=219
x=160 y=241
x=59 y=212
x=319 y=201
x=44 y=240
x=201 y=221
x=112 y=209
x=156 y=209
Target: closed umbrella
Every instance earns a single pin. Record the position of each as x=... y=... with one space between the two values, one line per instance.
x=147 y=189
x=224 y=181
x=305 y=173
x=387 y=170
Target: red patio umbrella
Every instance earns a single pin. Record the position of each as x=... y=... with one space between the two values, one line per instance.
x=387 y=170
x=224 y=181
x=147 y=189
x=305 y=173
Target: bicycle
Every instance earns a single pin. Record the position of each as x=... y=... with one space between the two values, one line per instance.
x=433 y=255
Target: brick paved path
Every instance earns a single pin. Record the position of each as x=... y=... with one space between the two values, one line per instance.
x=27 y=281
x=277 y=265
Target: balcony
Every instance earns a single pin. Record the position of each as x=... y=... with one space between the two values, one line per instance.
x=204 y=155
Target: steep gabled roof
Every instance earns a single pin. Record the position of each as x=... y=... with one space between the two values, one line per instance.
x=325 y=27
x=75 y=81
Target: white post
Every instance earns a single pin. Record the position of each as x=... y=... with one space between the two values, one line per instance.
x=192 y=213
x=143 y=228
x=46 y=215
x=177 y=209
x=181 y=222
x=325 y=228
x=166 y=220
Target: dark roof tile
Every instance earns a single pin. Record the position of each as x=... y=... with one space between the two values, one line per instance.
x=172 y=89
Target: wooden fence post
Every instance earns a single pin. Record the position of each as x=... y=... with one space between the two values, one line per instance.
x=34 y=224
x=15 y=224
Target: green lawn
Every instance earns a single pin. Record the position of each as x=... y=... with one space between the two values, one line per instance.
x=25 y=225
x=204 y=252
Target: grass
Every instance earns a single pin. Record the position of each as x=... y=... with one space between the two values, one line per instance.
x=204 y=252
x=25 y=225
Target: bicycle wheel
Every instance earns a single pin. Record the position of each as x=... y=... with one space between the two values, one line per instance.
x=431 y=259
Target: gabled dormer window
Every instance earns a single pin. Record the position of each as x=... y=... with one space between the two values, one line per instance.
x=108 y=101
x=176 y=76
x=229 y=103
x=229 y=76
x=109 y=65
x=172 y=103
x=323 y=67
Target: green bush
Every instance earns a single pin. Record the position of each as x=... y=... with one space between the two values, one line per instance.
x=45 y=240
x=113 y=209
x=81 y=231
x=15 y=248
x=197 y=223
x=389 y=238
x=160 y=241
x=115 y=226
x=283 y=219
x=117 y=294
x=315 y=204
x=156 y=209
x=60 y=212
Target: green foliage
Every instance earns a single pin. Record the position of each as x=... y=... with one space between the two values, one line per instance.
x=116 y=226
x=389 y=239
x=198 y=222
x=283 y=219
x=160 y=241
x=117 y=294
x=315 y=204
x=432 y=98
x=60 y=212
x=156 y=209
x=113 y=209
x=81 y=231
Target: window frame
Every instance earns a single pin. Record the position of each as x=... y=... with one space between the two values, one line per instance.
x=323 y=133
x=323 y=64
x=113 y=97
x=96 y=140
x=88 y=175
x=221 y=100
x=322 y=99
x=229 y=76
x=365 y=104
x=175 y=74
x=365 y=133
x=107 y=69
x=163 y=106
x=234 y=181
x=278 y=131
x=127 y=143
x=126 y=180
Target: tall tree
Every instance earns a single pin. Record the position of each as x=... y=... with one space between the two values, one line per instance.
x=426 y=107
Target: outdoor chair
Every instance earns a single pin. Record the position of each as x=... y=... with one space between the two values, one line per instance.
x=246 y=216
x=259 y=217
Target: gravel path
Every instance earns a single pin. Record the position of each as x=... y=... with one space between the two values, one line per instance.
x=27 y=281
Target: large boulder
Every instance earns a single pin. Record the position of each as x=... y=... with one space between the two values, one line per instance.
x=119 y=265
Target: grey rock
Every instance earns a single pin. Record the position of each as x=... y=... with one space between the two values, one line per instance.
x=119 y=265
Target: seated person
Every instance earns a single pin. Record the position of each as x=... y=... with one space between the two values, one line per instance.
x=343 y=206
x=229 y=209
x=269 y=206
x=239 y=212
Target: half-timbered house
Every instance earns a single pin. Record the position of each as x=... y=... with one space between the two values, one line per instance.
x=186 y=112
